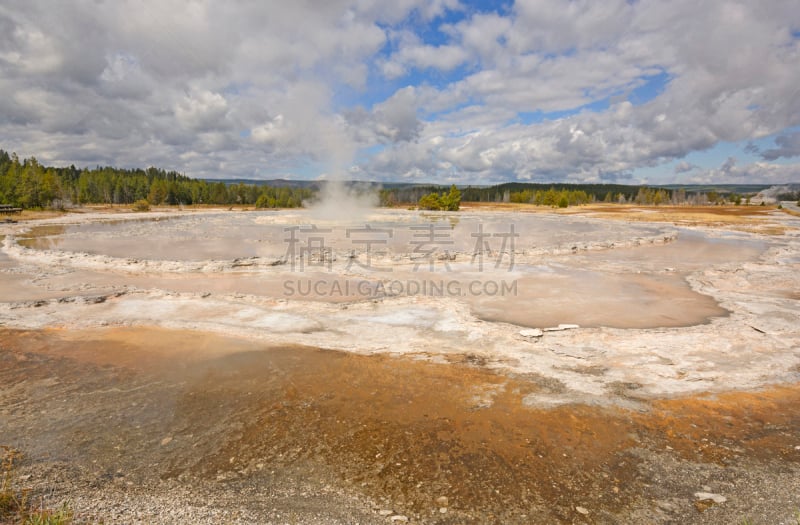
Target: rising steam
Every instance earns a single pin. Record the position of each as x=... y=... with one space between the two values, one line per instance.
x=340 y=201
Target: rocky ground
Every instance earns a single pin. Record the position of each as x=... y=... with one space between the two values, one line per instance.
x=140 y=398
x=129 y=430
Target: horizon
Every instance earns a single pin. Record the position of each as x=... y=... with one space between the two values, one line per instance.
x=276 y=182
x=501 y=183
x=421 y=91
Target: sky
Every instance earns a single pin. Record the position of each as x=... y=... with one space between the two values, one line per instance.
x=445 y=91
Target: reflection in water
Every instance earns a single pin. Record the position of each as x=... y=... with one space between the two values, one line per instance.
x=47 y=237
x=466 y=259
x=592 y=298
x=265 y=234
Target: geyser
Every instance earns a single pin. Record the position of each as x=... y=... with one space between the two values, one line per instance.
x=345 y=202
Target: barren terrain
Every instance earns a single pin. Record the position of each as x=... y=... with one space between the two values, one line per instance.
x=156 y=390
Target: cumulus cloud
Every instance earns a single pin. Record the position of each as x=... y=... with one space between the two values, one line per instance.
x=394 y=120
x=157 y=82
x=728 y=165
x=720 y=87
x=423 y=89
x=788 y=146
x=762 y=172
x=442 y=58
x=202 y=111
x=684 y=167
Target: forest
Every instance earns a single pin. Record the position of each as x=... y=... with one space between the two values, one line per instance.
x=28 y=184
x=561 y=195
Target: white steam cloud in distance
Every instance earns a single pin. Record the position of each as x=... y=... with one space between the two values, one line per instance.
x=338 y=199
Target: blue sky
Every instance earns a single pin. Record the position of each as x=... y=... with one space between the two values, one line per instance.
x=409 y=90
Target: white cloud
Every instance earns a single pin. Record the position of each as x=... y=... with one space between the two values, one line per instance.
x=732 y=69
x=395 y=120
x=763 y=172
x=684 y=167
x=123 y=78
x=202 y=111
x=551 y=26
x=443 y=58
x=270 y=132
x=482 y=36
x=788 y=146
x=255 y=87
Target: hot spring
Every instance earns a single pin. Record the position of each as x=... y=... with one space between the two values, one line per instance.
x=531 y=270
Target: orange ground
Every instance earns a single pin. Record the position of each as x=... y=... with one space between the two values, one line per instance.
x=401 y=430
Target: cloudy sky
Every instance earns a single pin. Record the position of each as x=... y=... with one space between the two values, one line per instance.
x=408 y=90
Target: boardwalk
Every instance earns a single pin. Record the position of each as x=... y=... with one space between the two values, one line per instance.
x=8 y=208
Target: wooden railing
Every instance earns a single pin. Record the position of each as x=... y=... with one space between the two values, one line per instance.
x=8 y=208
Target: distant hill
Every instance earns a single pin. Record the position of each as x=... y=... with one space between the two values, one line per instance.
x=26 y=183
x=743 y=189
x=276 y=183
x=405 y=192
x=719 y=188
x=316 y=184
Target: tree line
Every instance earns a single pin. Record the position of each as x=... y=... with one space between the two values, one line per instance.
x=560 y=195
x=556 y=195
x=28 y=184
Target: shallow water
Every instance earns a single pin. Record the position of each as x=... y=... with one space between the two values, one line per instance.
x=639 y=287
x=595 y=298
x=558 y=269
x=691 y=250
x=226 y=236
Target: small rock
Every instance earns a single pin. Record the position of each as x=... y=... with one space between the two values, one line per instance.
x=706 y=500
x=443 y=501
x=166 y=441
x=666 y=506
x=703 y=505
x=385 y=512
x=582 y=510
x=399 y=518
x=562 y=326
x=716 y=498
x=531 y=332
x=443 y=510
